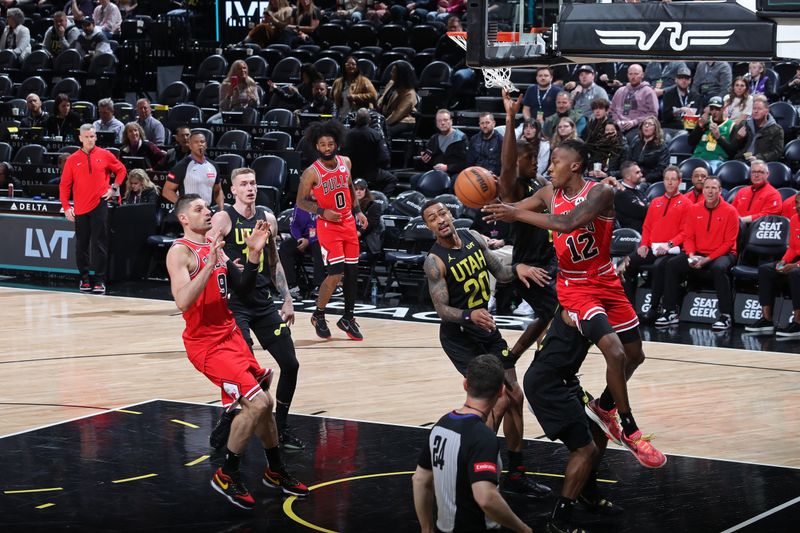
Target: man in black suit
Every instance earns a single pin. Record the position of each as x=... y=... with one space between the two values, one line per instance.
x=368 y=154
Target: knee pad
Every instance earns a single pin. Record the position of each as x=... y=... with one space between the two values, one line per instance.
x=596 y=327
x=629 y=335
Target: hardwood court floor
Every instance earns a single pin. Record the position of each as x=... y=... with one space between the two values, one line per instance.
x=66 y=355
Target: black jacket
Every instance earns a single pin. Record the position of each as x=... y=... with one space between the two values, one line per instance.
x=367 y=151
x=631 y=207
x=455 y=156
x=651 y=159
x=672 y=101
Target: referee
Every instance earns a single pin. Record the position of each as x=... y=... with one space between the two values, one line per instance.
x=460 y=465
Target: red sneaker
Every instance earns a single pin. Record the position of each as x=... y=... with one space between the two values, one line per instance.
x=607 y=420
x=646 y=453
x=283 y=480
x=233 y=489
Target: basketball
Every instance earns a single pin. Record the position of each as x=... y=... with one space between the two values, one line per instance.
x=475 y=187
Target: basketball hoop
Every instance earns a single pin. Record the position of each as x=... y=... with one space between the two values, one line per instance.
x=499 y=78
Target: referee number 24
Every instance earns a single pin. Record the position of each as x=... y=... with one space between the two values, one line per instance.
x=437 y=460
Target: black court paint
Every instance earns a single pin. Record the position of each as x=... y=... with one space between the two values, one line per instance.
x=83 y=458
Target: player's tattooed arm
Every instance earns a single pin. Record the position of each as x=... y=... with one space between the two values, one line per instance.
x=437 y=286
x=503 y=273
x=307 y=182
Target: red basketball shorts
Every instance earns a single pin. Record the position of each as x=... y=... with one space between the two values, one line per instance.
x=230 y=365
x=338 y=241
x=604 y=294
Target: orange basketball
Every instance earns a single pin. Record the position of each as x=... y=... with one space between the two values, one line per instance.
x=475 y=187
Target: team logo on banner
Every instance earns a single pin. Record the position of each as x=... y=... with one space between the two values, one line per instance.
x=679 y=40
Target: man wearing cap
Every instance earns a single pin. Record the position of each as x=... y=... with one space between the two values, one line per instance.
x=586 y=90
x=680 y=100
x=92 y=41
x=712 y=136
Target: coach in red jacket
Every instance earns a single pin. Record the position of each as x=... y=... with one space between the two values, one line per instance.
x=662 y=231
x=86 y=176
x=709 y=243
x=772 y=274
x=761 y=198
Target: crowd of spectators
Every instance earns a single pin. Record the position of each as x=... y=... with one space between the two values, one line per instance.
x=632 y=117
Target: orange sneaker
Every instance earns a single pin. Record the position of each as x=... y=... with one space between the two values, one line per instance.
x=233 y=489
x=645 y=452
x=607 y=420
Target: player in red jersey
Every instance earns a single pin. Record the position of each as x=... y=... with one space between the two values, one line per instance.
x=201 y=277
x=582 y=219
x=334 y=202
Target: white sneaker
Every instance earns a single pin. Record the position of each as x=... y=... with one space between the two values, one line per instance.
x=667 y=319
x=523 y=309
x=492 y=304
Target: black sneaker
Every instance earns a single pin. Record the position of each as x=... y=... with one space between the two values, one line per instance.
x=99 y=288
x=557 y=527
x=289 y=440
x=722 y=324
x=219 y=435
x=85 y=286
x=762 y=325
x=521 y=484
x=349 y=326
x=233 y=489
x=597 y=505
x=321 y=326
x=283 y=480
x=338 y=292
x=792 y=330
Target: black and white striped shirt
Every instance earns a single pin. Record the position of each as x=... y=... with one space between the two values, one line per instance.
x=461 y=451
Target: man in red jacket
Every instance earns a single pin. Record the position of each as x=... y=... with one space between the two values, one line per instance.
x=695 y=194
x=710 y=232
x=760 y=198
x=772 y=274
x=86 y=176
x=661 y=233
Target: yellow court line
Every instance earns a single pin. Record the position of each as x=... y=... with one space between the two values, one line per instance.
x=45 y=505
x=25 y=491
x=198 y=460
x=128 y=411
x=187 y=424
x=133 y=478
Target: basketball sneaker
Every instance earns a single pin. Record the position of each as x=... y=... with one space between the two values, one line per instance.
x=762 y=325
x=646 y=453
x=219 y=435
x=233 y=489
x=597 y=505
x=349 y=326
x=289 y=440
x=321 y=326
x=607 y=420
x=284 y=481
x=722 y=324
x=99 y=288
x=667 y=319
x=519 y=483
x=85 y=285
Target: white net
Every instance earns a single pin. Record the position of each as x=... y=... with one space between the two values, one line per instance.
x=499 y=78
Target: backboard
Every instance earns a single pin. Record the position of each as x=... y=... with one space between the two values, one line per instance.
x=505 y=33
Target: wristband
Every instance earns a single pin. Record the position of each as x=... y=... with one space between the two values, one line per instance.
x=356 y=209
x=320 y=211
x=465 y=316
